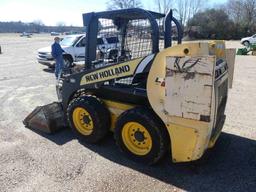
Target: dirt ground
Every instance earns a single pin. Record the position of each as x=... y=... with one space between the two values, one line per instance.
x=30 y=161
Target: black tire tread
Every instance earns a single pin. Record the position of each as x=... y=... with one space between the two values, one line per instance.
x=154 y=121
x=101 y=112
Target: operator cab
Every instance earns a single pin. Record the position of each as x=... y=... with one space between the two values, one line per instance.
x=137 y=33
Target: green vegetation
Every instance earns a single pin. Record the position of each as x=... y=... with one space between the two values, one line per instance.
x=233 y=20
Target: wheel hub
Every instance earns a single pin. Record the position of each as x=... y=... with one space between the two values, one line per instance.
x=86 y=119
x=139 y=136
x=136 y=138
x=82 y=121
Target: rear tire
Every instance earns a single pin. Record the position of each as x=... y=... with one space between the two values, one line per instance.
x=88 y=118
x=141 y=135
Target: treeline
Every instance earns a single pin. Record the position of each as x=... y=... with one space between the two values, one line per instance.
x=19 y=27
x=230 y=20
x=233 y=20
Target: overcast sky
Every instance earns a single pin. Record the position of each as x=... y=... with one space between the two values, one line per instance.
x=51 y=12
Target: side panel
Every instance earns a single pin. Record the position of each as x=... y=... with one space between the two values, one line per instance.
x=180 y=90
x=189 y=138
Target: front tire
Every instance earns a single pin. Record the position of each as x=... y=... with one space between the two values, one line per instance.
x=88 y=118
x=68 y=61
x=246 y=43
x=141 y=135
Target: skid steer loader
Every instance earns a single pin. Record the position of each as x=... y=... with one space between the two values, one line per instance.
x=155 y=97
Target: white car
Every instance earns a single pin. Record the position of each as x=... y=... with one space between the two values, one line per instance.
x=248 y=40
x=74 y=49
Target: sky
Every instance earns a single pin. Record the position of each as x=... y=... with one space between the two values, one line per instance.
x=51 y=12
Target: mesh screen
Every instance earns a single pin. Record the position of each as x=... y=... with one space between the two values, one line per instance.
x=116 y=43
x=132 y=42
x=138 y=40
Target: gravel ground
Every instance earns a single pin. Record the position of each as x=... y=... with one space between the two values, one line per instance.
x=36 y=162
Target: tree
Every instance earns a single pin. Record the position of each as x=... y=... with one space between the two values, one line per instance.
x=243 y=14
x=60 y=24
x=210 y=25
x=163 y=6
x=250 y=12
x=38 y=22
x=123 y=4
x=234 y=8
x=37 y=26
x=186 y=9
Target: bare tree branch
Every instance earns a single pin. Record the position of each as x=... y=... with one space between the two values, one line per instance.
x=187 y=9
x=243 y=13
x=164 y=5
x=123 y=4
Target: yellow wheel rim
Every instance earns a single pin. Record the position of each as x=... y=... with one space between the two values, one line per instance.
x=136 y=138
x=82 y=121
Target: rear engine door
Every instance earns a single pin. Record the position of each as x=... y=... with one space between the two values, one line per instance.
x=189 y=86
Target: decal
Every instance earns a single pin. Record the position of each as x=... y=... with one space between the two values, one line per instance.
x=111 y=72
x=114 y=72
x=144 y=63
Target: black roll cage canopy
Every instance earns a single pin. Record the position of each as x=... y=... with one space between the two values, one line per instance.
x=90 y=21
